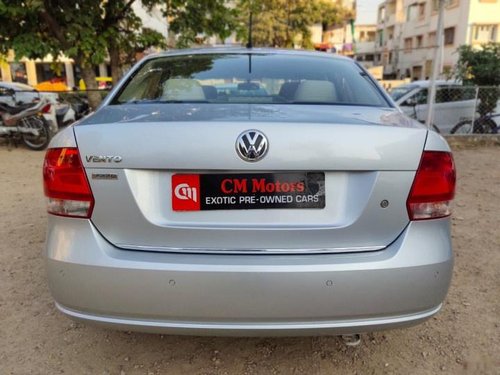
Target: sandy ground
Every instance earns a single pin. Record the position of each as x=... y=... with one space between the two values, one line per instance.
x=463 y=338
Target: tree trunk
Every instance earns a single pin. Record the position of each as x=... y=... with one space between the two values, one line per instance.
x=93 y=94
x=114 y=60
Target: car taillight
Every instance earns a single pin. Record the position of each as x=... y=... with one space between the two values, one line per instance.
x=433 y=187
x=65 y=184
x=46 y=108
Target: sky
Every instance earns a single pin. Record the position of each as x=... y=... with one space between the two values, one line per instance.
x=367 y=11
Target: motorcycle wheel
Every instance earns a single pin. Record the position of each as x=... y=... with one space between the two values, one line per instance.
x=40 y=141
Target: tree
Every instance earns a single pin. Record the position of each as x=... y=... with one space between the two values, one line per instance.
x=195 y=20
x=88 y=31
x=281 y=23
x=481 y=67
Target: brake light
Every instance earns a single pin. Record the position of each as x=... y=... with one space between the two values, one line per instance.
x=46 y=108
x=433 y=187
x=65 y=184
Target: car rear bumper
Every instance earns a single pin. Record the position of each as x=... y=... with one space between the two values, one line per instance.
x=93 y=281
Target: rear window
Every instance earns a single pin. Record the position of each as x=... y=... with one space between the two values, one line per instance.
x=250 y=78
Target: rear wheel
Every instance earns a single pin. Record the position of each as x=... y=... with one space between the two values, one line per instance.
x=40 y=141
x=486 y=126
x=463 y=127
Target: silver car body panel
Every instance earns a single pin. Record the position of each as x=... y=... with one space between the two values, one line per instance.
x=248 y=294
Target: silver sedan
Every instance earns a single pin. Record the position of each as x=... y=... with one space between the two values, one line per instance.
x=249 y=192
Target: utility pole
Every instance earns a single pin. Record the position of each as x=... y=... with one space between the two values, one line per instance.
x=436 y=66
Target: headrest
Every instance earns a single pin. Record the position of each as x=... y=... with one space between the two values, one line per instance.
x=182 y=89
x=316 y=91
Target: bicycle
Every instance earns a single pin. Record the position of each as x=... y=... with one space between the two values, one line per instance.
x=484 y=124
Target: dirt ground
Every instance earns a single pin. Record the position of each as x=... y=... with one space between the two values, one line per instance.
x=463 y=338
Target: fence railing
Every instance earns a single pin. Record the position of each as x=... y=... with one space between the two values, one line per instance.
x=457 y=109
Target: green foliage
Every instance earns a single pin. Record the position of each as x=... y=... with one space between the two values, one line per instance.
x=84 y=30
x=283 y=23
x=190 y=19
x=481 y=67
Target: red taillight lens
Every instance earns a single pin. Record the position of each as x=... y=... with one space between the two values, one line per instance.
x=433 y=187
x=65 y=184
x=46 y=108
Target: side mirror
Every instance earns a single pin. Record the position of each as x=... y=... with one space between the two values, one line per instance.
x=411 y=102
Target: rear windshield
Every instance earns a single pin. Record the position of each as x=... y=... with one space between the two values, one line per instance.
x=250 y=78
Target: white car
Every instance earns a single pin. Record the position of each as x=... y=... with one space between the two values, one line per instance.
x=27 y=94
x=454 y=103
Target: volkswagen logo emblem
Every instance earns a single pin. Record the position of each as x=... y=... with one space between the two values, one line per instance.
x=252 y=145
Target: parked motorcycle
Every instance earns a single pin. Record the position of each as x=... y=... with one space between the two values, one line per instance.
x=65 y=114
x=25 y=122
x=80 y=105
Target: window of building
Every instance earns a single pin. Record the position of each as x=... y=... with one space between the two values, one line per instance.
x=432 y=39
x=484 y=33
x=420 y=41
x=369 y=57
x=449 y=36
x=408 y=45
x=421 y=11
x=47 y=72
x=381 y=37
x=390 y=33
x=18 y=72
x=370 y=36
x=448 y=4
x=381 y=15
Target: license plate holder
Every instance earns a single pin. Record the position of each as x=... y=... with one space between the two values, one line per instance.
x=248 y=191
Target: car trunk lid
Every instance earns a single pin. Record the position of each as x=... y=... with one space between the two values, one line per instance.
x=131 y=155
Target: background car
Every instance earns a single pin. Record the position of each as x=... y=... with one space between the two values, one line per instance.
x=454 y=102
x=299 y=200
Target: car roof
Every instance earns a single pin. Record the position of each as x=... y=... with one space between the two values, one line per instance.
x=16 y=86
x=246 y=51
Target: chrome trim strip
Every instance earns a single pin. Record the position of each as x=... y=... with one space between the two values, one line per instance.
x=199 y=250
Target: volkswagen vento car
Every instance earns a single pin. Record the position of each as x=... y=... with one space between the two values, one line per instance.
x=249 y=192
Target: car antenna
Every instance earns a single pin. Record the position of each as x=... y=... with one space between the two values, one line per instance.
x=250 y=24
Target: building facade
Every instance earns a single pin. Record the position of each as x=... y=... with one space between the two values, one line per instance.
x=406 y=33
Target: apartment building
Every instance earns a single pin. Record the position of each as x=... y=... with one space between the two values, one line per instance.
x=361 y=45
x=390 y=22
x=406 y=33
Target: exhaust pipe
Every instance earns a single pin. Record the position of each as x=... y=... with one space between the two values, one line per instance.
x=351 y=340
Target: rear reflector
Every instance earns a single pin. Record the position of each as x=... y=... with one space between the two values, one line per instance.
x=433 y=187
x=46 y=108
x=65 y=184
